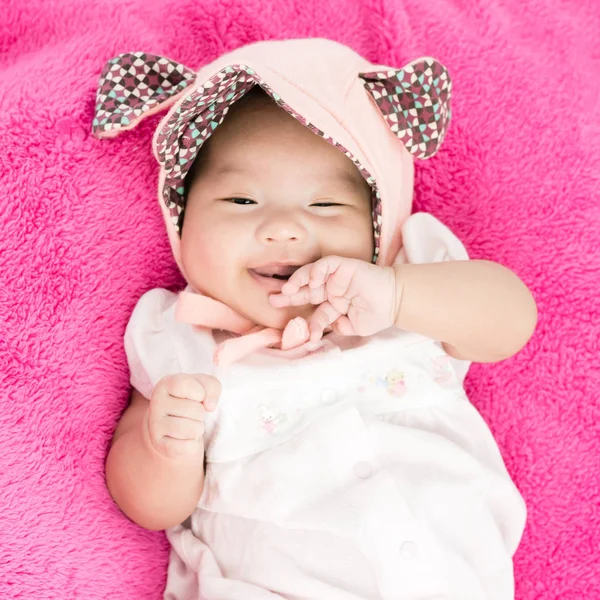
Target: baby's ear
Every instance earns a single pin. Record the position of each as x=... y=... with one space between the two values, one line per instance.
x=133 y=86
x=415 y=102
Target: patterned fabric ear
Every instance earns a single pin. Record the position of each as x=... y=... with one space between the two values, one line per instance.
x=133 y=86
x=415 y=102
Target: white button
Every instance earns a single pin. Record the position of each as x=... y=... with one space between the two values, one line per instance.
x=362 y=470
x=328 y=396
x=408 y=550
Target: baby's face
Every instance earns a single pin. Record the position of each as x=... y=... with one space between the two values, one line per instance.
x=269 y=196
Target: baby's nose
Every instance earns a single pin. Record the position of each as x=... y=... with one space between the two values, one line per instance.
x=281 y=230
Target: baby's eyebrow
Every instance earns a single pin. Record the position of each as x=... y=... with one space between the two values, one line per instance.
x=229 y=169
x=347 y=178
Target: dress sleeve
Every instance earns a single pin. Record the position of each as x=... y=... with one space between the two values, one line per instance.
x=149 y=346
x=427 y=240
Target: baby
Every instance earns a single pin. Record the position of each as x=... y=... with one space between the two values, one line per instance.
x=298 y=422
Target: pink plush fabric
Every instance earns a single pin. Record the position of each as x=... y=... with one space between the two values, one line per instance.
x=82 y=238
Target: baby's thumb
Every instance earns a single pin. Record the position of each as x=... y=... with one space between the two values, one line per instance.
x=212 y=390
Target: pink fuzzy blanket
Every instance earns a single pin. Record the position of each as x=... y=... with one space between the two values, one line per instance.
x=81 y=238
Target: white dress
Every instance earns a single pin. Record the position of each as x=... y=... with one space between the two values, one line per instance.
x=360 y=472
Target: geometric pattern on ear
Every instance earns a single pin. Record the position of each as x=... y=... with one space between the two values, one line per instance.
x=133 y=86
x=415 y=102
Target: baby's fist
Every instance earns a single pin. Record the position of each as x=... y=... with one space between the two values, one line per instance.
x=176 y=413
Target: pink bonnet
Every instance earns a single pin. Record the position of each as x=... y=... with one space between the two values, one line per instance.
x=381 y=117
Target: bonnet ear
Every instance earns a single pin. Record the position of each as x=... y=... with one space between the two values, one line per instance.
x=415 y=102
x=133 y=86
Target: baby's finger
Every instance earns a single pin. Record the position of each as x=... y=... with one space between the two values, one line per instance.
x=321 y=269
x=323 y=317
x=188 y=409
x=303 y=296
x=312 y=275
x=340 y=276
x=184 y=386
x=182 y=429
x=343 y=326
x=298 y=279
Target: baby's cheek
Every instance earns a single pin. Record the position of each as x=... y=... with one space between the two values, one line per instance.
x=208 y=248
x=350 y=239
x=200 y=263
x=357 y=247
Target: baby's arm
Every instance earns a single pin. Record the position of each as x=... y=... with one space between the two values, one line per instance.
x=154 y=470
x=480 y=310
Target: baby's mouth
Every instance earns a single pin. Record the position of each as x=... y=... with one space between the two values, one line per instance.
x=281 y=272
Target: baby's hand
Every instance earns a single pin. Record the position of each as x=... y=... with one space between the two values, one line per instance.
x=354 y=297
x=176 y=413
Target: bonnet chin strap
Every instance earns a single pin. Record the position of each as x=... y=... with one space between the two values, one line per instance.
x=134 y=86
x=206 y=313
x=415 y=102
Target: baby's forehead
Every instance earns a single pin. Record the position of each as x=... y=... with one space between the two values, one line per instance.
x=255 y=104
x=256 y=122
x=222 y=165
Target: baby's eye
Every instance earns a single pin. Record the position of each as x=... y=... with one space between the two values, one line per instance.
x=240 y=201
x=325 y=204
